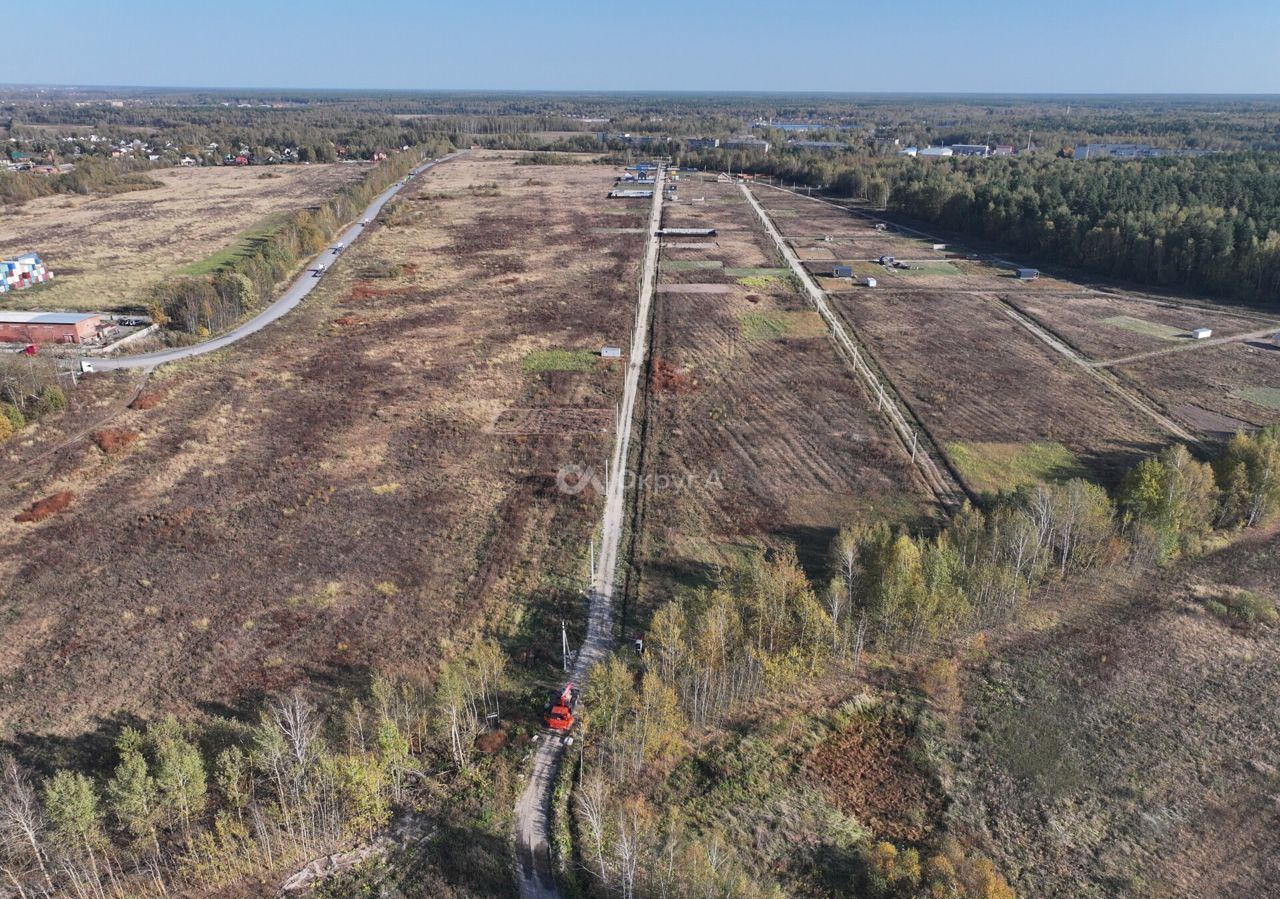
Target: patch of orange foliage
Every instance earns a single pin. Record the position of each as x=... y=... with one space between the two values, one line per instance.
x=666 y=377
x=47 y=507
x=113 y=440
x=148 y=399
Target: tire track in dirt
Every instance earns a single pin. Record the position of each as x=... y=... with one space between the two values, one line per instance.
x=535 y=869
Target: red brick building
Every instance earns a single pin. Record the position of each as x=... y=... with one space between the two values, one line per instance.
x=48 y=327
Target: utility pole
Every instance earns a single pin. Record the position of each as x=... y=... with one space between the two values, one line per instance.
x=564 y=645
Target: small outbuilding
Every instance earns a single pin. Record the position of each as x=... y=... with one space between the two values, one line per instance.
x=1028 y=274
x=611 y=352
x=868 y=282
x=1201 y=333
x=842 y=271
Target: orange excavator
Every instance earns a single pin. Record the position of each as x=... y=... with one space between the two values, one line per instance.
x=559 y=711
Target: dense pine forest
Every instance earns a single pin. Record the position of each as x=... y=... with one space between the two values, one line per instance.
x=1209 y=224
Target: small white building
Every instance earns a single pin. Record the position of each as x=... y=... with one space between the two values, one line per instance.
x=611 y=352
x=1201 y=333
x=868 y=282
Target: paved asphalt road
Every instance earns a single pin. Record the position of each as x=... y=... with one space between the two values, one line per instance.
x=305 y=283
x=533 y=835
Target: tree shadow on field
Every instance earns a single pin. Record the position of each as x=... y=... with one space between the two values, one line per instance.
x=464 y=857
x=1108 y=467
x=838 y=868
x=92 y=752
x=813 y=548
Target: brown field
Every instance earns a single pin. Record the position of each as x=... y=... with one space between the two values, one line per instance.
x=1126 y=747
x=359 y=486
x=1103 y=326
x=941 y=336
x=1215 y=378
x=105 y=252
x=757 y=426
x=971 y=375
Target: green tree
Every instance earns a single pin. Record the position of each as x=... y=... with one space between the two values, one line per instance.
x=132 y=794
x=14 y=416
x=1248 y=471
x=179 y=771
x=75 y=815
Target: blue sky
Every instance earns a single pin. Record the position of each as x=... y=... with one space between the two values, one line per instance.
x=1228 y=46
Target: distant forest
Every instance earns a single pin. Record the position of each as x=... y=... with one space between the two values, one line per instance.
x=1210 y=224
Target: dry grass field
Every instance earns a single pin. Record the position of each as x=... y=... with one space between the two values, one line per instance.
x=1240 y=381
x=1108 y=326
x=1126 y=746
x=1005 y=407
x=105 y=252
x=359 y=486
x=974 y=375
x=1008 y=408
x=757 y=425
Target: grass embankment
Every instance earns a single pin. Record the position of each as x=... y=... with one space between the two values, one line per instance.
x=993 y=467
x=560 y=360
x=211 y=294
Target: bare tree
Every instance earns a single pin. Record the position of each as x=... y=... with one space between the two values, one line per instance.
x=593 y=798
x=299 y=724
x=22 y=821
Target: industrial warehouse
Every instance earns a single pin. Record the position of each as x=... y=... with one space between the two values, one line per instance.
x=49 y=327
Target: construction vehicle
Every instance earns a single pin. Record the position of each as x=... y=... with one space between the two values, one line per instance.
x=558 y=714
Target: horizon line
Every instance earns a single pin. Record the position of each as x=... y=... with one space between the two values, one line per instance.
x=770 y=92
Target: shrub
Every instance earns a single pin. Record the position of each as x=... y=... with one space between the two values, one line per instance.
x=113 y=440
x=1243 y=606
x=6 y=428
x=47 y=507
x=50 y=400
x=148 y=399
x=14 y=416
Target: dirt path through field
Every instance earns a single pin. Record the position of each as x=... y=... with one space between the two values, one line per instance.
x=1262 y=334
x=914 y=440
x=534 y=869
x=1141 y=403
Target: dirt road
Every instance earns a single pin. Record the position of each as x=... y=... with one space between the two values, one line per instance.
x=302 y=285
x=534 y=869
x=1261 y=334
x=1136 y=400
x=939 y=480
